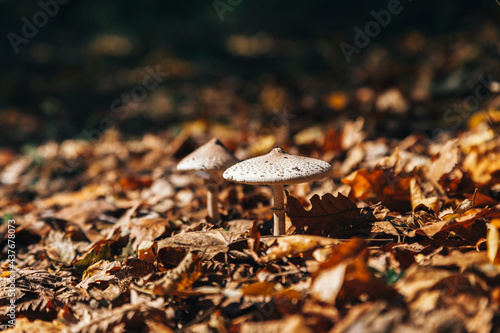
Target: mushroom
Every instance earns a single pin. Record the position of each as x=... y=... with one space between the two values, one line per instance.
x=278 y=168
x=209 y=161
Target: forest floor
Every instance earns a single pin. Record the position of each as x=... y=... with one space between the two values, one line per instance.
x=402 y=235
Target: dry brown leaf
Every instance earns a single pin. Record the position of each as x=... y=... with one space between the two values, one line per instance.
x=106 y=249
x=123 y=223
x=181 y=277
x=128 y=317
x=393 y=190
x=370 y=317
x=37 y=325
x=98 y=272
x=391 y=162
x=12 y=172
x=470 y=227
x=328 y=282
x=417 y=197
x=328 y=215
x=352 y=133
x=138 y=267
x=484 y=166
x=466 y=205
x=210 y=242
x=83 y=211
x=456 y=259
x=254 y=239
x=424 y=287
x=149 y=228
x=345 y=276
x=60 y=247
x=259 y=288
x=292 y=324
x=295 y=245
x=422 y=216
x=89 y=192
x=493 y=241
x=448 y=158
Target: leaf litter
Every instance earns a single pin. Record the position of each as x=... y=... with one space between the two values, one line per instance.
x=404 y=239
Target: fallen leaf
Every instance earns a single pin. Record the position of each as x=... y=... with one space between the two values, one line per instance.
x=328 y=215
x=128 y=317
x=210 y=242
x=493 y=241
x=446 y=161
x=295 y=245
x=98 y=271
x=417 y=197
x=466 y=205
x=346 y=276
x=181 y=277
x=81 y=212
x=37 y=325
x=292 y=324
x=60 y=247
x=328 y=282
x=483 y=165
x=393 y=190
x=99 y=251
x=89 y=192
x=106 y=249
x=259 y=288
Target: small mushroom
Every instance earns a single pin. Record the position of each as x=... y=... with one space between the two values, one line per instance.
x=278 y=168
x=209 y=161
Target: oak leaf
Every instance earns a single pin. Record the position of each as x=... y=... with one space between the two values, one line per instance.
x=328 y=215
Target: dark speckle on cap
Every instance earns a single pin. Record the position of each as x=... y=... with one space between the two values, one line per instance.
x=278 y=167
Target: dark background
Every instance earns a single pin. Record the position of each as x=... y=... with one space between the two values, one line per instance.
x=63 y=81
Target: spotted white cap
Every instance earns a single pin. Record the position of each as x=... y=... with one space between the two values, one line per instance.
x=212 y=156
x=278 y=168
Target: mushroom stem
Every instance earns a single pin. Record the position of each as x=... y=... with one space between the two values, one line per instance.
x=212 y=201
x=279 y=210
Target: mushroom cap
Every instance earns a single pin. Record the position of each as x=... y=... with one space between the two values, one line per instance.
x=278 y=168
x=212 y=156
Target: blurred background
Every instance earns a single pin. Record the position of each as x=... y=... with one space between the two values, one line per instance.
x=72 y=69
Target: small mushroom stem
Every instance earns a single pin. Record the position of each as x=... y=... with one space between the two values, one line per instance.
x=212 y=201
x=279 y=210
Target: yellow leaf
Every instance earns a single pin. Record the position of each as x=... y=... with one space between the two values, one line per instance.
x=310 y=135
x=450 y=216
x=263 y=145
x=259 y=288
x=483 y=116
x=493 y=239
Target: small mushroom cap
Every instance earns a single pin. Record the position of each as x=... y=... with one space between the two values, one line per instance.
x=212 y=156
x=278 y=168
